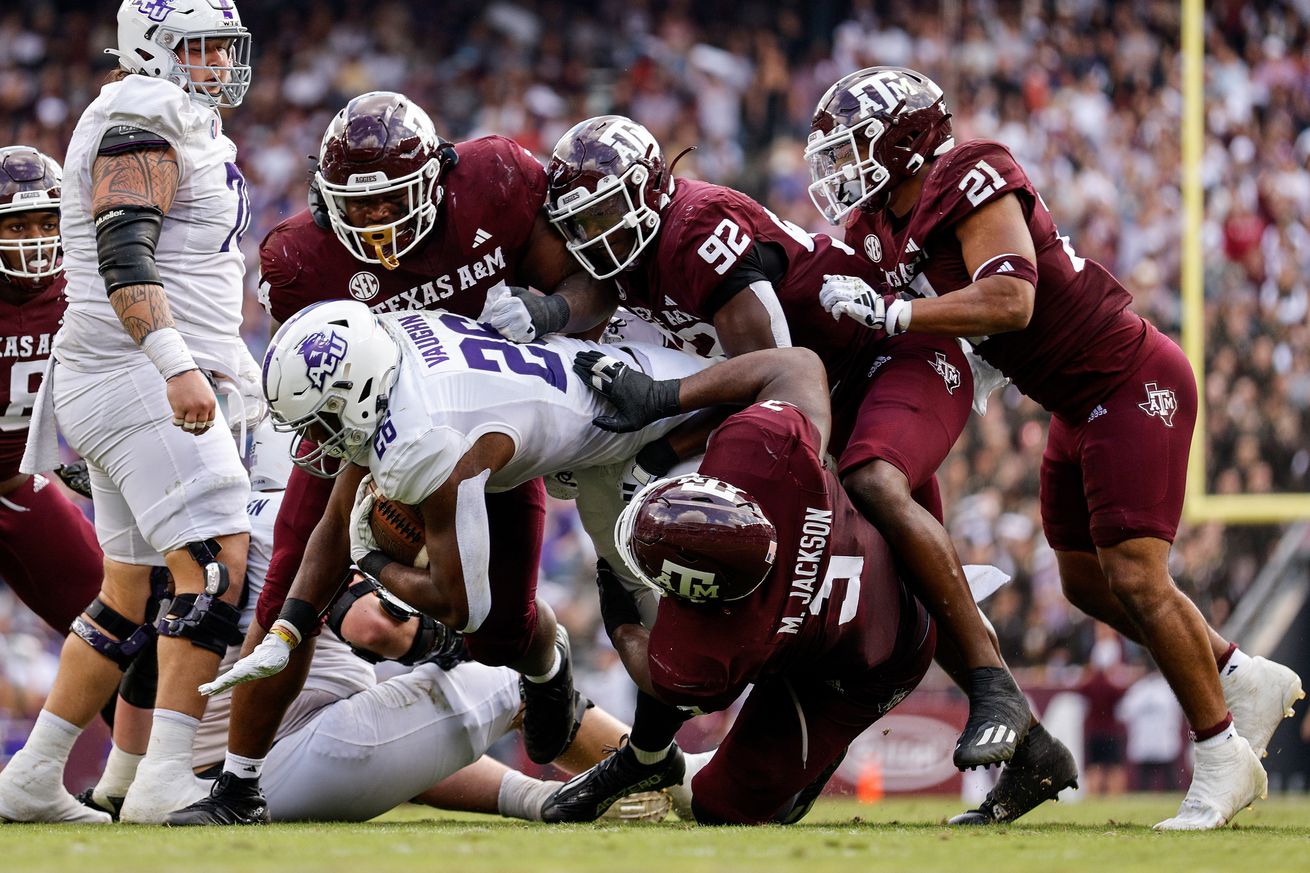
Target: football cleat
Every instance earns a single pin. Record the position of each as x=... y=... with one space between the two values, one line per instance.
x=1260 y=695
x=552 y=710
x=998 y=719
x=112 y=805
x=1226 y=780
x=1041 y=768
x=32 y=790
x=588 y=795
x=232 y=801
x=680 y=794
x=804 y=800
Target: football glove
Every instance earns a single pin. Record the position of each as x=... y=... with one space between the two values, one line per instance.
x=521 y=315
x=654 y=461
x=362 y=540
x=267 y=659
x=639 y=399
x=853 y=297
x=76 y=477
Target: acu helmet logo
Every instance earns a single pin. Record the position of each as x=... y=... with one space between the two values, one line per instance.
x=155 y=10
x=323 y=353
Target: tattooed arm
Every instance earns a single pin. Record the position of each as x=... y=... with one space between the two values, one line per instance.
x=132 y=191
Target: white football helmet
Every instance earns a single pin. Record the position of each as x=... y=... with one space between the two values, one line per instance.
x=327 y=375
x=151 y=34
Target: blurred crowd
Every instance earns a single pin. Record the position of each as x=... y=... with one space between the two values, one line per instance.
x=1087 y=94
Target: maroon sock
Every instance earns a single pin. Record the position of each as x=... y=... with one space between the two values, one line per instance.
x=1199 y=736
x=1228 y=653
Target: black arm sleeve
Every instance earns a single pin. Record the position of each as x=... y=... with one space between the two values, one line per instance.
x=765 y=262
x=126 y=237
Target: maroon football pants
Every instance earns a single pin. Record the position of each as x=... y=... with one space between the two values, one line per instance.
x=791 y=728
x=48 y=552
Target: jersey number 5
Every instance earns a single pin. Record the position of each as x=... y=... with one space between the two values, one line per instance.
x=981 y=182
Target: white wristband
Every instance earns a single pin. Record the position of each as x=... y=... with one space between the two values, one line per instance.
x=898 y=317
x=168 y=352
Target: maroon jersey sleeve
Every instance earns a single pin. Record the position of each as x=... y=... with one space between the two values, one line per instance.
x=285 y=257
x=970 y=176
x=702 y=242
x=497 y=190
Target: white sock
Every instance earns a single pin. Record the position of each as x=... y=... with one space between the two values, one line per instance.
x=120 y=770
x=52 y=737
x=1218 y=739
x=522 y=796
x=244 y=768
x=648 y=758
x=1235 y=662
x=549 y=674
x=172 y=734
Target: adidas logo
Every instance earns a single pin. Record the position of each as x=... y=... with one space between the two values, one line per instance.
x=480 y=237
x=1097 y=413
x=1005 y=267
x=996 y=734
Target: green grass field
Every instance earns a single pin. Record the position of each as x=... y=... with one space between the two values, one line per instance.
x=1108 y=836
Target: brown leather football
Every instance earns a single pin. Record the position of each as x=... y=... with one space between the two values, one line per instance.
x=398 y=528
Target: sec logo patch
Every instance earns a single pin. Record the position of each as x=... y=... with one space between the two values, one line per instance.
x=364 y=286
x=873 y=247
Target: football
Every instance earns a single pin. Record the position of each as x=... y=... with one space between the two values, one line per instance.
x=398 y=528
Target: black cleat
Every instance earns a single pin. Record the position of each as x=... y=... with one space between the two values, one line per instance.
x=998 y=719
x=87 y=799
x=552 y=710
x=1041 y=768
x=804 y=800
x=586 y=796
x=232 y=801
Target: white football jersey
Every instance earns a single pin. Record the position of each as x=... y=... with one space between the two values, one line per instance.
x=198 y=255
x=459 y=380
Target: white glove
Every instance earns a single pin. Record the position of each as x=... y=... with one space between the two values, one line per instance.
x=853 y=297
x=508 y=314
x=268 y=658
x=362 y=540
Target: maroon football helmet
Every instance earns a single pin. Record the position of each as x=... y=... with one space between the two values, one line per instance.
x=873 y=129
x=609 y=184
x=382 y=147
x=29 y=183
x=697 y=538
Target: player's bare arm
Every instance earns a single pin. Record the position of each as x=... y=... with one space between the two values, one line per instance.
x=457 y=540
x=548 y=265
x=131 y=192
x=743 y=325
x=994 y=304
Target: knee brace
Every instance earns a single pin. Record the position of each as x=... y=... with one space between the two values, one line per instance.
x=209 y=623
x=431 y=639
x=142 y=677
x=128 y=638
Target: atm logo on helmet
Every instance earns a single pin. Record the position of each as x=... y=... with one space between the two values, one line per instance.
x=694 y=585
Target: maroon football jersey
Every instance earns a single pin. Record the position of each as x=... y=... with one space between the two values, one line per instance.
x=25 y=335
x=704 y=232
x=492 y=198
x=1082 y=340
x=832 y=604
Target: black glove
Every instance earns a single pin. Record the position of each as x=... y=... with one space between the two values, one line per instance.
x=76 y=477
x=617 y=607
x=639 y=398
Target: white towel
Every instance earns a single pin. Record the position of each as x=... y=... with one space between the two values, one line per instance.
x=42 y=452
x=986 y=378
x=984 y=580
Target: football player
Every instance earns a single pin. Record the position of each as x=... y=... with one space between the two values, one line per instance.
x=400 y=220
x=153 y=208
x=48 y=550
x=1122 y=398
x=772 y=578
x=350 y=747
x=443 y=412
x=723 y=274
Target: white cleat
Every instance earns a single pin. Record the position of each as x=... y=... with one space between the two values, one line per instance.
x=1260 y=695
x=32 y=790
x=680 y=794
x=161 y=786
x=1227 y=779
